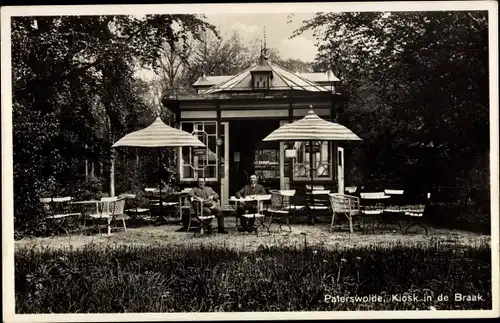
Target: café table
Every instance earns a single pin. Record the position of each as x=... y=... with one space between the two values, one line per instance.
x=85 y=208
x=373 y=205
x=259 y=214
x=59 y=213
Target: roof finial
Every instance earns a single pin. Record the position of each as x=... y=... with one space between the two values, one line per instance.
x=265 y=38
x=263 y=48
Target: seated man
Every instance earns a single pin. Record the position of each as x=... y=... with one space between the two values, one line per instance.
x=250 y=189
x=208 y=197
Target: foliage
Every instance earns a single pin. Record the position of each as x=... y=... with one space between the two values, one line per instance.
x=75 y=93
x=209 y=279
x=418 y=92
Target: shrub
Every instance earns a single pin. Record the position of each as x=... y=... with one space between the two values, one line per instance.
x=456 y=216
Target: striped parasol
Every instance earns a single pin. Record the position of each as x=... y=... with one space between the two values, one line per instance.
x=158 y=134
x=312 y=128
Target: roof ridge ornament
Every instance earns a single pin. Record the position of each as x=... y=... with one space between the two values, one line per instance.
x=263 y=50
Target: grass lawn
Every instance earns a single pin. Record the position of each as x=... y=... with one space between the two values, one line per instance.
x=155 y=269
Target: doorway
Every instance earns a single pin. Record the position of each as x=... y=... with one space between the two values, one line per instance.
x=248 y=154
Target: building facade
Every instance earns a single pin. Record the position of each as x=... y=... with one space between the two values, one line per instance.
x=232 y=114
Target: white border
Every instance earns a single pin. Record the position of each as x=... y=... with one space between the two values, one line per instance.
x=7 y=184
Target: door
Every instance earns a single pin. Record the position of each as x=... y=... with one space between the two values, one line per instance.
x=225 y=167
x=284 y=174
x=340 y=170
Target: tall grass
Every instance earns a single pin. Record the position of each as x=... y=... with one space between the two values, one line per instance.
x=163 y=279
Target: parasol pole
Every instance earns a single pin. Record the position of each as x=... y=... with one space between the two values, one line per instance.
x=160 y=175
x=311 y=199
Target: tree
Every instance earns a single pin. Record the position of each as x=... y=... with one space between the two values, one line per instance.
x=295 y=65
x=73 y=91
x=218 y=56
x=415 y=80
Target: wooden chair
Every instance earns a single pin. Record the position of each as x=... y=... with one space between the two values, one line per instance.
x=289 y=199
x=347 y=205
x=136 y=211
x=373 y=205
x=58 y=213
x=184 y=203
x=281 y=207
x=395 y=200
x=260 y=215
x=205 y=222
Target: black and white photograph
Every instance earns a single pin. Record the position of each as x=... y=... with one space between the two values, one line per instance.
x=250 y=161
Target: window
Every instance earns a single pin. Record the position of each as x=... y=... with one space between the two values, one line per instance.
x=200 y=162
x=261 y=81
x=321 y=158
x=267 y=163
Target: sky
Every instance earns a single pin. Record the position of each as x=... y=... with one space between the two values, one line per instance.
x=278 y=31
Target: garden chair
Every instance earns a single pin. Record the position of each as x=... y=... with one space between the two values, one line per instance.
x=320 y=203
x=281 y=207
x=288 y=199
x=415 y=212
x=317 y=191
x=168 y=205
x=136 y=211
x=58 y=213
x=373 y=206
x=316 y=202
x=260 y=215
x=109 y=210
x=344 y=204
x=394 y=201
x=204 y=222
x=184 y=203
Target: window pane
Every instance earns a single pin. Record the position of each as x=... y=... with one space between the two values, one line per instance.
x=210 y=128
x=212 y=143
x=188 y=172
x=187 y=126
x=186 y=156
x=210 y=172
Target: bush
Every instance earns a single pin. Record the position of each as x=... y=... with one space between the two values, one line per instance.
x=208 y=279
x=456 y=216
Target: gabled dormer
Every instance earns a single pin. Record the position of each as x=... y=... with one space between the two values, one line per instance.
x=262 y=75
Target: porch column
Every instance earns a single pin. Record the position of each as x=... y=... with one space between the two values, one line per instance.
x=335 y=158
x=177 y=124
x=218 y=116
x=290 y=120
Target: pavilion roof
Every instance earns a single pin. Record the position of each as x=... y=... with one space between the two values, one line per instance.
x=283 y=79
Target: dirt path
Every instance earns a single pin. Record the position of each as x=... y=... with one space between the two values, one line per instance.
x=312 y=235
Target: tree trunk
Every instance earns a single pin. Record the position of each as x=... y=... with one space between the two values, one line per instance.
x=86 y=167
x=112 y=157
x=137 y=161
x=86 y=170
x=112 y=173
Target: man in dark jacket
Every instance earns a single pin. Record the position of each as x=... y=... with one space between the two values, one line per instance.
x=209 y=197
x=250 y=189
